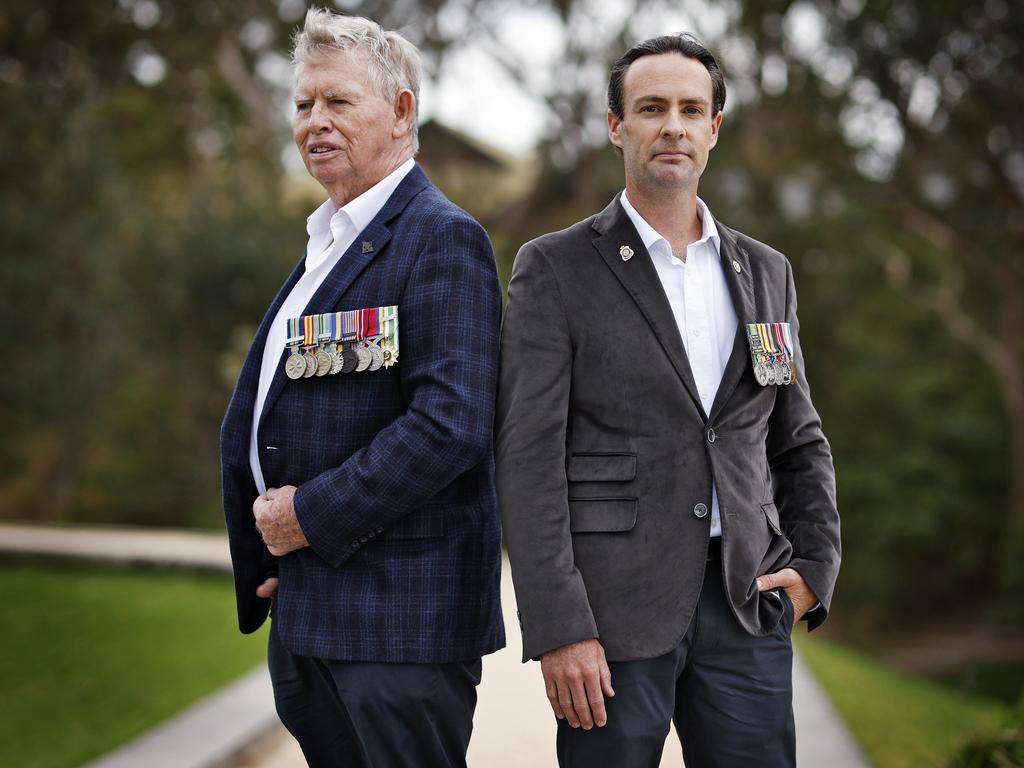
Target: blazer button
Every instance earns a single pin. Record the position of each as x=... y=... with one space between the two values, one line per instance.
x=363 y=539
x=711 y=435
x=701 y=510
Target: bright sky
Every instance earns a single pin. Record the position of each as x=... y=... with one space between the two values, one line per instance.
x=479 y=96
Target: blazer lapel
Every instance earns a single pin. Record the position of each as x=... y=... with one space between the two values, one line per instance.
x=741 y=289
x=249 y=379
x=365 y=248
x=640 y=279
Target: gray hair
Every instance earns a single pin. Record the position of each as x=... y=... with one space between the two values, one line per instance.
x=393 y=63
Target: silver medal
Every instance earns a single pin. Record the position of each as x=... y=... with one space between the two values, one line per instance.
x=377 y=356
x=365 y=358
x=295 y=365
x=310 y=364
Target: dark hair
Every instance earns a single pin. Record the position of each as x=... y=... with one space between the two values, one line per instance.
x=686 y=44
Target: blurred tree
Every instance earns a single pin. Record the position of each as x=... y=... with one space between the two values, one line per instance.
x=140 y=200
x=145 y=223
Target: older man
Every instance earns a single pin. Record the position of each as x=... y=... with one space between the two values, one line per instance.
x=666 y=488
x=357 y=448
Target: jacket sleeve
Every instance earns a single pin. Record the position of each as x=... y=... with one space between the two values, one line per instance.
x=533 y=405
x=803 y=478
x=449 y=320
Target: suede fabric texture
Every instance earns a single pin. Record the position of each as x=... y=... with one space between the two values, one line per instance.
x=604 y=452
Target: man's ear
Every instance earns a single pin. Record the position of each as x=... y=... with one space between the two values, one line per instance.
x=405 y=113
x=614 y=129
x=716 y=124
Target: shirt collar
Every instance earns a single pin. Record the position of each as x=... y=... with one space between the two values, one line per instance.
x=361 y=210
x=650 y=236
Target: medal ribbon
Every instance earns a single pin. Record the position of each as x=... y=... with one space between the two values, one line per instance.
x=370 y=322
x=766 y=338
x=308 y=330
x=777 y=329
x=790 y=349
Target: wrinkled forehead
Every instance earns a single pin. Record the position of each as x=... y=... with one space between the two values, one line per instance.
x=669 y=77
x=332 y=68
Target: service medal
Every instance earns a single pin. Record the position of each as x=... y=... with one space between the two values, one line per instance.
x=377 y=357
x=295 y=365
x=761 y=373
x=311 y=364
x=365 y=358
x=336 y=359
x=323 y=363
x=758 y=356
x=351 y=360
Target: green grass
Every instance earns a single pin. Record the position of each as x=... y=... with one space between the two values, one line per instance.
x=899 y=720
x=90 y=657
x=999 y=680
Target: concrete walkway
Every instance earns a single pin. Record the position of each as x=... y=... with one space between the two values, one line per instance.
x=237 y=726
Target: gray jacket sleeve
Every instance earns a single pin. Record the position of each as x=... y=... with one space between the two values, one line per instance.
x=533 y=404
x=803 y=479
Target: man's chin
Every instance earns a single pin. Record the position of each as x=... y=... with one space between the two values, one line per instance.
x=675 y=178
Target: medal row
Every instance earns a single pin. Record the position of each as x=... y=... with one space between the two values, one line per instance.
x=771 y=349
x=342 y=342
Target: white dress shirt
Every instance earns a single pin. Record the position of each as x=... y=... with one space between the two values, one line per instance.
x=700 y=301
x=331 y=231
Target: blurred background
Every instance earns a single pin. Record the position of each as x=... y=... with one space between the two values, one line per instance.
x=151 y=204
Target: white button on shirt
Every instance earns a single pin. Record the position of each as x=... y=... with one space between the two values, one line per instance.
x=331 y=231
x=702 y=306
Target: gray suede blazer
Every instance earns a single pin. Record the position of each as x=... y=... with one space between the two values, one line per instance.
x=605 y=456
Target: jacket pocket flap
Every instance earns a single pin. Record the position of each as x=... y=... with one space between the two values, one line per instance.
x=772 y=515
x=602 y=515
x=591 y=467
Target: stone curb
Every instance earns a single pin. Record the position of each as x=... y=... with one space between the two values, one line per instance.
x=209 y=734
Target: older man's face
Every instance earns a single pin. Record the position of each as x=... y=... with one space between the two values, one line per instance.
x=344 y=130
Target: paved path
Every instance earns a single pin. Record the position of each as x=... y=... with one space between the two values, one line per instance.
x=202 y=550
x=237 y=726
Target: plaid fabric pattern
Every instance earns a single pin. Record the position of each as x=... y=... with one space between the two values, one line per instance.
x=394 y=467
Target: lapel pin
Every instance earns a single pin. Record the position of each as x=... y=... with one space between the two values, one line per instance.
x=626 y=252
x=736 y=266
x=367 y=246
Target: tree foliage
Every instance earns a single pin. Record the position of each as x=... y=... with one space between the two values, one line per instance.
x=146 y=221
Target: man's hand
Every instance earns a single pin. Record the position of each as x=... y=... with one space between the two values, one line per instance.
x=800 y=594
x=268 y=588
x=576 y=676
x=276 y=521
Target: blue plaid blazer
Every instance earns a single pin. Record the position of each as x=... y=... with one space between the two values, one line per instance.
x=394 y=467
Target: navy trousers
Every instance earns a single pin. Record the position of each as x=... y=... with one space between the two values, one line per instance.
x=352 y=714
x=729 y=694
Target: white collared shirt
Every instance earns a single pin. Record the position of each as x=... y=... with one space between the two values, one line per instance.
x=331 y=231
x=702 y=306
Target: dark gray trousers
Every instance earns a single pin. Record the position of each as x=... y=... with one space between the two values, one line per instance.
x=352 y=714
x=729 y=694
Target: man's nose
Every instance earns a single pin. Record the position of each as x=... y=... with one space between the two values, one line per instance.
x=674 y=125
x=318 y=118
